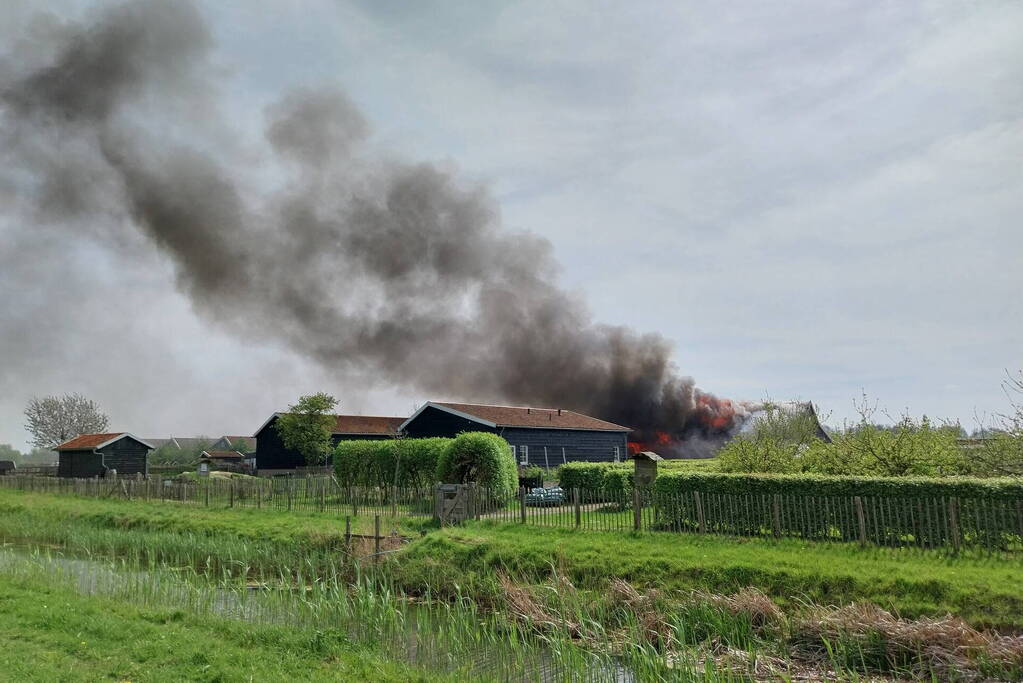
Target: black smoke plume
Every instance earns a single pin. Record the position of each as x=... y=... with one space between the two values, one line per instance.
x=391 y=271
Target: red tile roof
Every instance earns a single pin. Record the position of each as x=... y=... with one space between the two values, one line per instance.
x=550 y=418
x=86 y=441
x=365 y=424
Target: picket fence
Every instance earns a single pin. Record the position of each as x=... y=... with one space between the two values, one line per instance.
x=951 y=524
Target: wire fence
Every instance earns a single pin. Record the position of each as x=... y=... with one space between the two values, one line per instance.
x=922 y=522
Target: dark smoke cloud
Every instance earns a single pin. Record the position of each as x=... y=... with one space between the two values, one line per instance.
x=395 y=271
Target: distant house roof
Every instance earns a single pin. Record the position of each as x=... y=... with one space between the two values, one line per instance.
x=84 y=442
x=368 y=425
x=181 y=442
x=522 y=416
x=222 y=455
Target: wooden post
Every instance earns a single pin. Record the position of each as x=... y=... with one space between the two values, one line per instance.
x=860 y=519
x=578 y=508
x=522 y=503
x=323 y=499
x=637 y=511
x=700 y=520
x=206 y=496
x=290 y=487
x=376 y=538
x=348 y=533
x=230 y=493
x=776 y=514
x=953 y=523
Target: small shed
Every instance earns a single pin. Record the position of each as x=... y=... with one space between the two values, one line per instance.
x=7 y=467
x=646 y=468
x=93 y=455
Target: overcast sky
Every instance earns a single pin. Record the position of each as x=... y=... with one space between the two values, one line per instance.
x=809 y=199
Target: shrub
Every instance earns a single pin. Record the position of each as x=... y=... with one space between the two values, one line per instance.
x=531 y=476
x=482 y=458
x=407 y=462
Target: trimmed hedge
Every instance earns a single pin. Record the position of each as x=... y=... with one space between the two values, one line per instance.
x=891 y=511
x=373 y=463
x=823 y=485
x=616 y=477
x=483 y=458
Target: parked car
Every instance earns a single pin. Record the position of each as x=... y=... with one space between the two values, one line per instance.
x=541 y=497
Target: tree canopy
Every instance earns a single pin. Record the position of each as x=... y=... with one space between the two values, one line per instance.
x=307 y=427
x=52 y=420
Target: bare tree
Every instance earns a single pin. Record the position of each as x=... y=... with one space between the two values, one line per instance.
x=52 y=420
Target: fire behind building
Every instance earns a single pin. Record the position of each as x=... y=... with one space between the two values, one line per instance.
x=546 y=437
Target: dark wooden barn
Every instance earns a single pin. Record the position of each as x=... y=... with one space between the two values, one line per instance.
x=7 y=467
x=547 y=437
x=273 y=458
x=94 y=455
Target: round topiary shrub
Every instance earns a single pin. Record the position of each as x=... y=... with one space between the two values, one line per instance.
x=481 y=458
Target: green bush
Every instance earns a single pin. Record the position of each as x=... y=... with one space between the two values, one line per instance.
x=616 y=477
x=897 y=511
x=407 y=462
x=531 y=476
x=823 y=485
x=482 y=458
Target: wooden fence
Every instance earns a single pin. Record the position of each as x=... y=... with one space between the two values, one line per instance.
x=924 y=522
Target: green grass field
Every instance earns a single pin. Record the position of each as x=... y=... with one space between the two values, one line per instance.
x=985 y=591
x=54 y=634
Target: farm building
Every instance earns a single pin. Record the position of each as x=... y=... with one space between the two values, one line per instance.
x=539 y=436
x=273 y=458
x=7 y=467
x=94 y=455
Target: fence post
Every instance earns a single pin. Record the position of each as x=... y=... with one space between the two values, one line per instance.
x=776 y=514
x=953 y=522
x=860 y=519
x=290 y=488
x=578 y=507
x=230 y=492
x=701 y=522
x=376 y=538
x=637 y=511
x=437 y=504
x=522 y=503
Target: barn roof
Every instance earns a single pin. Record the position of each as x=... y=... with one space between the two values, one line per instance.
x=522 y=416
x=360 y=425
x=84 y=442
x=367 y=424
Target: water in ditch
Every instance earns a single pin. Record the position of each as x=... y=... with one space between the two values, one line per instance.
x=439 y=637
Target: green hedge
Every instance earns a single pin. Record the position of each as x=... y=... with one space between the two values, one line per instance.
x=894 y=511
x=616 y=477
x=373 y=463
x=822 y=485
x=483 y=458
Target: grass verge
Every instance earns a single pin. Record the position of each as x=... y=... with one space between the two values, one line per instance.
x=55 y=634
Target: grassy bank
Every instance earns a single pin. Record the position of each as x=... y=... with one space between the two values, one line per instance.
x=987 y=592
x=54 y=634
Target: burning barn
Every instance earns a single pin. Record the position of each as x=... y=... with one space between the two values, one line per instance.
x=715 y=422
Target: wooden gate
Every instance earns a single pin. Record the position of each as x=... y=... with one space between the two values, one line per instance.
x=454 y=503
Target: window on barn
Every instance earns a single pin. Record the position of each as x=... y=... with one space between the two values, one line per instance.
x=523 y=455
x=617 y=455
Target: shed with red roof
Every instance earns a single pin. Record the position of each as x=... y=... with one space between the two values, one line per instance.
x=96 y=455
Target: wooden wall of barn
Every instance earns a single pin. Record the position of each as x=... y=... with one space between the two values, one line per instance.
x=566 y=445
x=79 y=464
x=563 y=445
x=127 y=456
x=271 y=453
